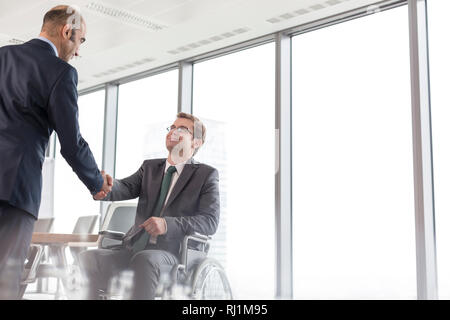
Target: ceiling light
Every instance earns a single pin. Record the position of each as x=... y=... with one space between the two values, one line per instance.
x=124 y=16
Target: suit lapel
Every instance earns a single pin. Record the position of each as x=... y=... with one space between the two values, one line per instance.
x=186 y=174
x=155 y=186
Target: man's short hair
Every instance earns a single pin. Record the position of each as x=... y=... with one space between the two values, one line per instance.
x=199 y=127
x=60 y=16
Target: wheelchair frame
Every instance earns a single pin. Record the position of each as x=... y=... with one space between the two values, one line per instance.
x=196 y=277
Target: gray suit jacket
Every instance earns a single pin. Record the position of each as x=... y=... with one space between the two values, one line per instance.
x=193 y=205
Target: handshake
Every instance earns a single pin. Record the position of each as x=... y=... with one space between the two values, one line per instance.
x=106 y=188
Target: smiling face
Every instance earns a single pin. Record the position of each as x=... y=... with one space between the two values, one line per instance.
x=186 y=135
x=181 y=135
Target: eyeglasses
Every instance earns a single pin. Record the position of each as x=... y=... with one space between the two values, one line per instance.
x=180 y=129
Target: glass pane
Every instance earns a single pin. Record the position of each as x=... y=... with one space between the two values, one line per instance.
x=439 y=49
x=234 y=96
x=353 y=192
x=72 y=198
x=146 y=108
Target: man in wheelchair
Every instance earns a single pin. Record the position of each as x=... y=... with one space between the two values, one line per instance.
x=178 y=196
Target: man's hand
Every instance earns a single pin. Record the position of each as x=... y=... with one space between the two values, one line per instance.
x=155 y=226
x=106 y=188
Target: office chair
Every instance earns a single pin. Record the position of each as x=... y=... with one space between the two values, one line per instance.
x=36 y=254
x=43 y=224
x=84 y=225
x=119 y=218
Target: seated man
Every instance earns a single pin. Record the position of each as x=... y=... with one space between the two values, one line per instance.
x=177 y=196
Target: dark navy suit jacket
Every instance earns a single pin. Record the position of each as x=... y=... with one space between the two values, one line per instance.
x=38 y=94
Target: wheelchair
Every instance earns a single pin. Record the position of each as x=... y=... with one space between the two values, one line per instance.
x=196 y=277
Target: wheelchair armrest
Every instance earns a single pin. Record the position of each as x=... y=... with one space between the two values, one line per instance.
x=195 y=237
x=109 y=234
x=199 y=237
x=200 y=240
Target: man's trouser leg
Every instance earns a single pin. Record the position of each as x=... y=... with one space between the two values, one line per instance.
x=146 y=266
x=99 y=266
x=16 y=230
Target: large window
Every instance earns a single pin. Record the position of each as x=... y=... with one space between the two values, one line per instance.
x=72 y=198
x=353 y=192
x=146 y=108
x=234 y=96
x=439 y=49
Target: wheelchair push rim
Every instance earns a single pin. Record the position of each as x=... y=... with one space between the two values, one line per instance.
x=209 y=282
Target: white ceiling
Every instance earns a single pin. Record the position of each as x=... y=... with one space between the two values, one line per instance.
x=125 y=37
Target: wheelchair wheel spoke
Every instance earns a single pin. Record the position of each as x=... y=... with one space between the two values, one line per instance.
x=210 y=282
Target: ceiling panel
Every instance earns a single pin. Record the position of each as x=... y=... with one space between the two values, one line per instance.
x=151 y=8
x=130 y=36
x=191 y=10
x=122 y=3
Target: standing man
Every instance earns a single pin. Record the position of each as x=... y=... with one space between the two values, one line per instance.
x=177 y=196
x=38 y=94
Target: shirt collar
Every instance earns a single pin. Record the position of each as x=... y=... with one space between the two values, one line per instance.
x=50 y=43
x=178 y=166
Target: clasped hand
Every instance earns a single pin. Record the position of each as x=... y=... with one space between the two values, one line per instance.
x=106 y=188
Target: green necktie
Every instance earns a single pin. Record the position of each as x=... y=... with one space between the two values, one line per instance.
x=142 y=241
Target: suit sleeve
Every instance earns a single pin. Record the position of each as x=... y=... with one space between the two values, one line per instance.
x=127 y=188
x=63 y=116
x=206 y=219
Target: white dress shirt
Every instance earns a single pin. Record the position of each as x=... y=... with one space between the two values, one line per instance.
x=175 y=176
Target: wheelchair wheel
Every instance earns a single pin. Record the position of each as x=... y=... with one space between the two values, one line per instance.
x=209 y=282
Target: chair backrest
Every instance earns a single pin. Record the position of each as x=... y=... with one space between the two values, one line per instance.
x=85 y=224
x=43 y=225
x=119 y=217
x=36 y=252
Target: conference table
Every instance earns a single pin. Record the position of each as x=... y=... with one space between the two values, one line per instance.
x=65 y=239
x=57 y=244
